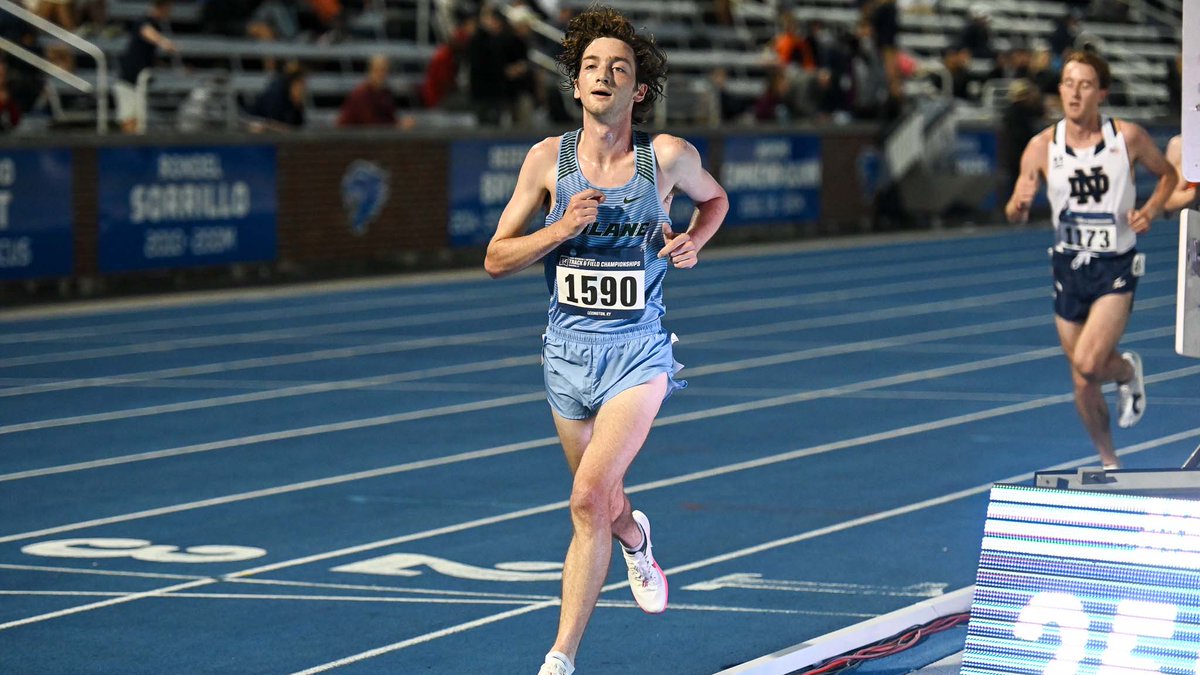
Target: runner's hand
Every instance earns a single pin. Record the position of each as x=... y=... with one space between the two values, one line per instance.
x=1138 y=221
x=581 y=211
x=680 y=247
x=1022 y=200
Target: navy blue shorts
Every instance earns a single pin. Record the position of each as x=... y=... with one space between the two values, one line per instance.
x=585 y=371
x=1079 y=284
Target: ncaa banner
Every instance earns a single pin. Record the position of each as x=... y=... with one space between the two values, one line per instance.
x=35 y=214
x=186 y=206
x=482 y=177
x=772 y=179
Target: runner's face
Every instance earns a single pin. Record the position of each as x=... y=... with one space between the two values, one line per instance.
x=1080 y=91
x=607 y=84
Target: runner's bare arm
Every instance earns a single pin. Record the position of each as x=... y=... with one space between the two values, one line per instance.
x=1185 y=192
x=681 y=168
x=1142 y=149
x=511 y=250
x=1033 y=167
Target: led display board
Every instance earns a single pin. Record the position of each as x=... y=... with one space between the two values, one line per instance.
x=1086 y=582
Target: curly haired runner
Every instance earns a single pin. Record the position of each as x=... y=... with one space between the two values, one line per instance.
x=607 y=243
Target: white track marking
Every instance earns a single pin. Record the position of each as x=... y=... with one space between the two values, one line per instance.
x=106 y=573
x=159 y=344
x=903 y=431
x=389 y=347
x=785 y=399
x=285 y=392
x=840 y=272
x=315 y=430
x=664 y=421
x=733 y=555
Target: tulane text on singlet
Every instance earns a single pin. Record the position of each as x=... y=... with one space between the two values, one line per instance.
x=608 y=279
x=1091 y=192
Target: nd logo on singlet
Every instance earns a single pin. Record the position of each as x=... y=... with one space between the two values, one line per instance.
x=1093 y=185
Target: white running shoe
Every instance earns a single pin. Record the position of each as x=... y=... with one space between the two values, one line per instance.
x=646 y=578
x=557 y=663
x=1131 y=396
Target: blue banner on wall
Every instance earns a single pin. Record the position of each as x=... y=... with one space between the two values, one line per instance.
x=35 y=214
x=482 y=177
x=186 y=206
x=772 y=179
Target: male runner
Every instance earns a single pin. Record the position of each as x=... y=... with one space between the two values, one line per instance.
x=607 y=241
x=1087 y=161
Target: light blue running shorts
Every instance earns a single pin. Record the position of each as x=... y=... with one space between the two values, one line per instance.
x=584 y=371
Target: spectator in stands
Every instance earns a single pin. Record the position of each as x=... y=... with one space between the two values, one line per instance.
x=728 y=106
x=25 y=82
x=791 y=46
x=885 y=26
x=1062 y=39
x=1175 y=85
x=442 y=73
x=10 y=112
x=957 y=64
x=488 y=56
x=826 y=98
x=523 y=79
x=977 y=33
x=1023 y=118
x=60 y=12
x=869 y=87
x=93 y=19
x=274 y=20
x=370 y=104
x=1042 y=71
x=226 y=17
x=146 y=38
x=777 y=103
x=280 y=106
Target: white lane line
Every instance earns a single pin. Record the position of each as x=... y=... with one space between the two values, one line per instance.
x=159 y=345
x=389 y=347
x=812 y=275
x=458 y=315
x=69 y=611
x=560 y=505
x=733 y=555
x=349 y=352
x=973 y=329
x=479 y=366
x=384 y=589
x=105 y=573
x=285 y=392
x=492 y=403
x=374 y=588
x=315 y=430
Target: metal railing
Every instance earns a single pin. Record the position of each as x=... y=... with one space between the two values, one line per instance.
x=100 y=89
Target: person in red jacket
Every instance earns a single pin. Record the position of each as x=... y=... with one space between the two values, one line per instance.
x=371 y=102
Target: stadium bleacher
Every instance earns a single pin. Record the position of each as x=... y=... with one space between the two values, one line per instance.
x=1137 y=51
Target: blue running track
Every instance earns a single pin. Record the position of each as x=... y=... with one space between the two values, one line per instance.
x=363 y=477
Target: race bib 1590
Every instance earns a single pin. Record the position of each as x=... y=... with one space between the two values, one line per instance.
x=601 y=283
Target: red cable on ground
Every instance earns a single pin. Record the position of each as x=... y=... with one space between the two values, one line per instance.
x=888 y=646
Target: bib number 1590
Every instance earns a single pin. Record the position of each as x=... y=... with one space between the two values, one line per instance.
x=604 y=291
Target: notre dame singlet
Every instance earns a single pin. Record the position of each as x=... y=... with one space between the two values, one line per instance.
x=1091 y=192
x=608 y=279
